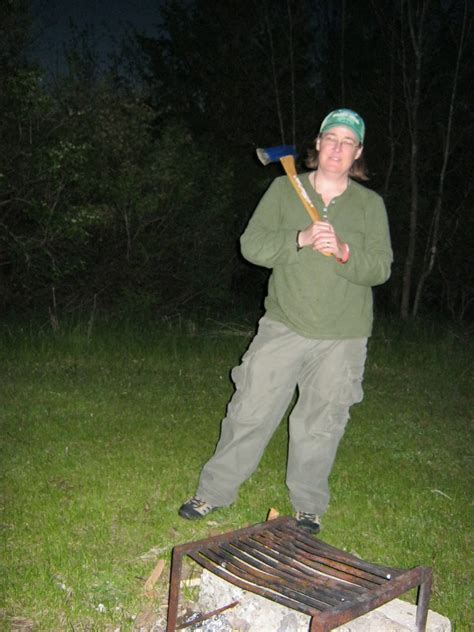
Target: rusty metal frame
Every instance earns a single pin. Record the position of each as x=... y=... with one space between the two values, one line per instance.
x=279 y=561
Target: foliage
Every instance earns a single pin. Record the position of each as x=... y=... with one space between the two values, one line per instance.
x=226 y=68
x=128 y=186
x=103 y=203
x=412 y=50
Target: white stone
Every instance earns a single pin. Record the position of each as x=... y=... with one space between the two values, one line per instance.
x=257 y=614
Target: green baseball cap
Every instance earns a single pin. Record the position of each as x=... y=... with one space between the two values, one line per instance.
x=345 y=117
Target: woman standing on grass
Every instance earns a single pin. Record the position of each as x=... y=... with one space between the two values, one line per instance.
x=313 y=335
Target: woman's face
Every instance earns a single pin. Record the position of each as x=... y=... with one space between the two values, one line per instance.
x=338 y=148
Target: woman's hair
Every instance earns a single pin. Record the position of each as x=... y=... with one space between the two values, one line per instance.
x=358 y=171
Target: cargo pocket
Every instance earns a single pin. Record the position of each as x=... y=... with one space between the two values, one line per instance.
x=352 y=391
x=349 y=390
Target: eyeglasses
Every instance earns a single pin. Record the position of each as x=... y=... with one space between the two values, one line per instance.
x=333 y=141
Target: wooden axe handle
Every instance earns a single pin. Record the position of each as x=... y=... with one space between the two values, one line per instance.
x=288 y=163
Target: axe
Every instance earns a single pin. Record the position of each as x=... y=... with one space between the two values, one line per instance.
x=286 y=155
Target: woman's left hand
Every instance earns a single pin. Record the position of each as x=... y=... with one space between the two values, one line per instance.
x=326 y=241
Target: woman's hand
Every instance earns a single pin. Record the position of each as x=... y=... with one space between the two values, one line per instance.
x=322 y=237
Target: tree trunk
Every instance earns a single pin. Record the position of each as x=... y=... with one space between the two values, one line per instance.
x=412 y=100
x=433 y=238
x=276 y=89
x=342 y=53
x=390 y=116
x=291 y=56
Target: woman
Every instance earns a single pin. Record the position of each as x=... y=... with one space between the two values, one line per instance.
x=313 y=335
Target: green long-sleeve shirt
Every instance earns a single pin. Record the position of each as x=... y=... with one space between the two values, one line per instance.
x=314 y=295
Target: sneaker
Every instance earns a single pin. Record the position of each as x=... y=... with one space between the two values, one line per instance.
x=195 y=508
x=308 y=521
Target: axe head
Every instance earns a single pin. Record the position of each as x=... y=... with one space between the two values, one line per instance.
x=273 y=154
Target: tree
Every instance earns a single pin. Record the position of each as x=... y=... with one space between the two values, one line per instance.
x=236 y=71
x=414 y=99
x=113 y=186
x=99 y=204
x=432 y=240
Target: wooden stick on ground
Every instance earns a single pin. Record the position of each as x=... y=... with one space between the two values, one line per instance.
x=272 y=514
x=206 y=616
x=155 y=576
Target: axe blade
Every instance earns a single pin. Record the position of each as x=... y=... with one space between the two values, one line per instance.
x=266 y=155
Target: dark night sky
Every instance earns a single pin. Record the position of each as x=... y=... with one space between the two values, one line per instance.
x=107 y=19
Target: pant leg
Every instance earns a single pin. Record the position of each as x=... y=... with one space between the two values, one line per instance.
x=331 y=381
x=265 y=383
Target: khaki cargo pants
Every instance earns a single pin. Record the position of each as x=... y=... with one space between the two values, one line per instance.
x=328 y=375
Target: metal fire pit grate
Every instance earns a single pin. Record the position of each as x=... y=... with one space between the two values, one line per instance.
x=279 y=561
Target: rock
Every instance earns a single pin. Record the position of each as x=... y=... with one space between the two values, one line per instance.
x=257 y=614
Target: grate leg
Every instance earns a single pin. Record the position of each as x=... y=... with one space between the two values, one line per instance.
x=318 y=626
x=424 y=593
x=173 y=599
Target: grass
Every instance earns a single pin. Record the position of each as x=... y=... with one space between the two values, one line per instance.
x=103 y=436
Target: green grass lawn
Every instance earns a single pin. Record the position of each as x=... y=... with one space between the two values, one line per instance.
x=103 y=436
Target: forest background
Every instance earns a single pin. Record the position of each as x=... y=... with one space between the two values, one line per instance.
x=125 y=185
